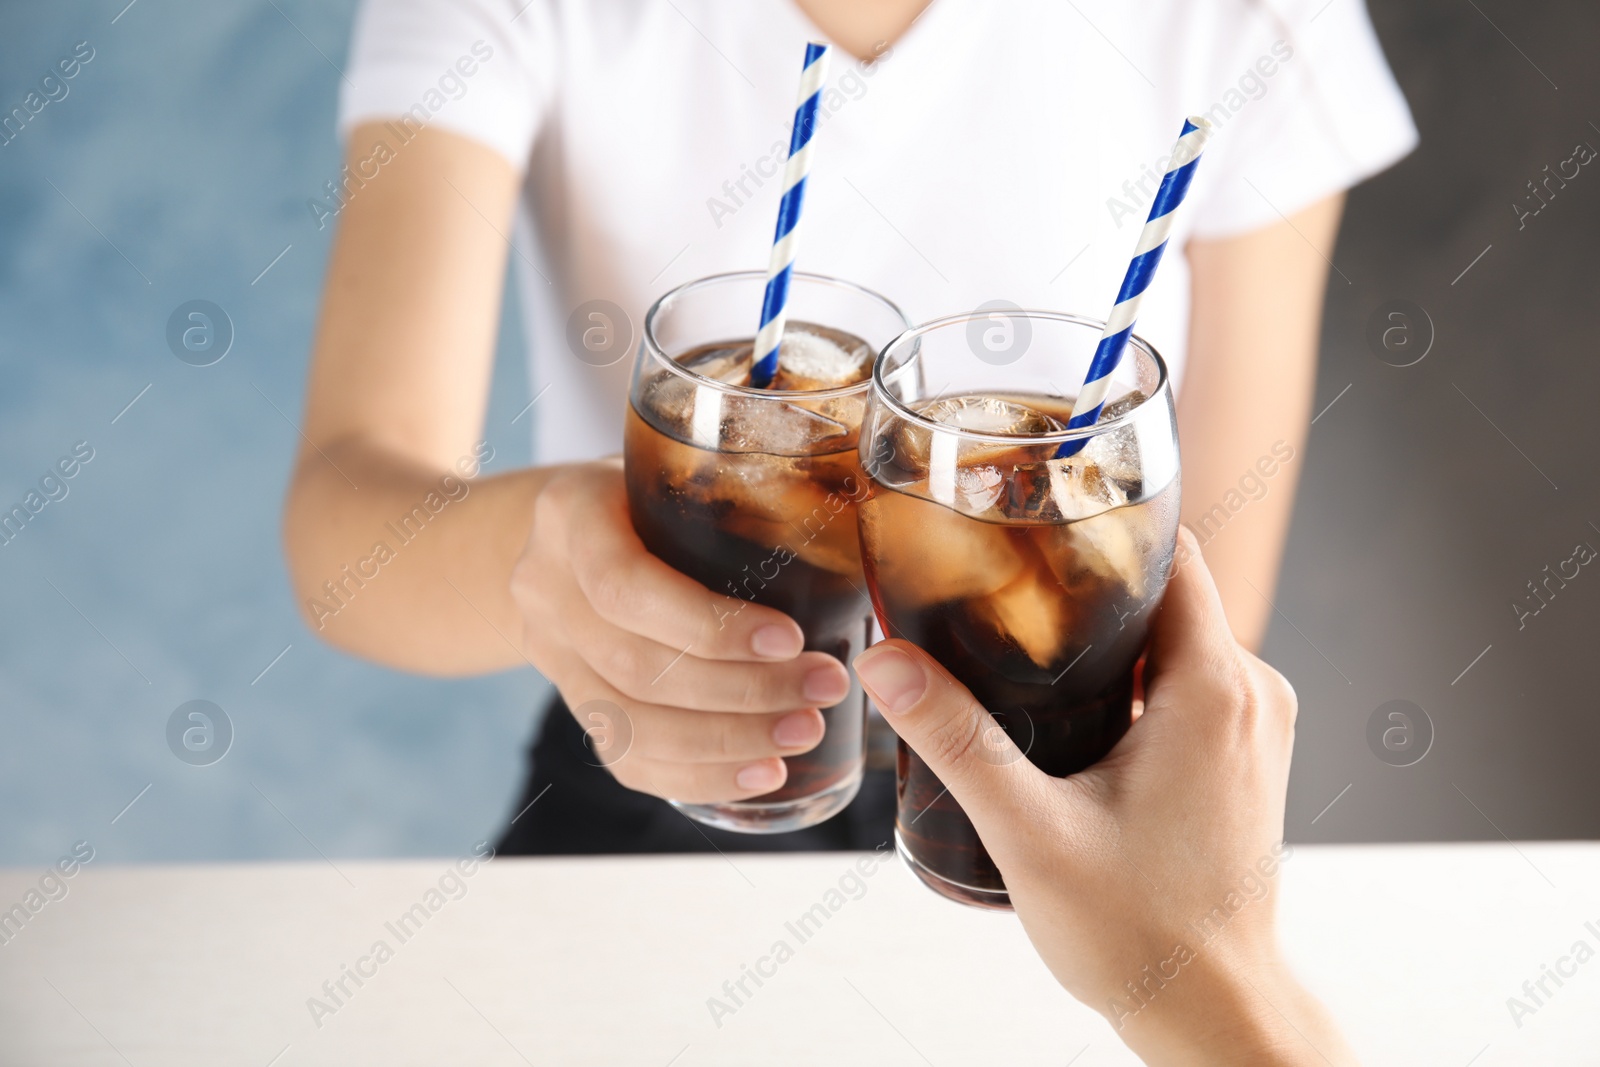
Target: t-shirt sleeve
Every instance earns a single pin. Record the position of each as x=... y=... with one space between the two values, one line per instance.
x=484 y=69
x=1308 y=110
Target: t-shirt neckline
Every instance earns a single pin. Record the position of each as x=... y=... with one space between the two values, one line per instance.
x=910 y=33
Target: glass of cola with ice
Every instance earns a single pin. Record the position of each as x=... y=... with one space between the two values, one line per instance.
x=752 y=491
x=1031 y=577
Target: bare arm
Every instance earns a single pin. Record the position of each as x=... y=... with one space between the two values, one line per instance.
x=393 y=557
x=1190 y=800
x=399 y=383
x=1246 y=403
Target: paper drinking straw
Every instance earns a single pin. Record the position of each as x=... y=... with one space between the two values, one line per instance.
x=1146 y=257
x=775 y=306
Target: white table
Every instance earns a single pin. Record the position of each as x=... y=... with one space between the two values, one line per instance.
x=612 y=961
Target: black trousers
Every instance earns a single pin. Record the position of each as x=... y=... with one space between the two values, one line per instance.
x=573 y=807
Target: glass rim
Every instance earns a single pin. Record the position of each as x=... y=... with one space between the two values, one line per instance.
x=648 y=338
x=916 y=333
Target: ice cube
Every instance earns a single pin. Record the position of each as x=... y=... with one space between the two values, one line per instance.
x=830 y=547
x=669 y=402
x=989 y=414
x=809 y=357
x=1104 y=548
x=926 y=554
x=687 y=409
x=1119 y=459
x=762 y=424
x=728 y=363
x=1118 y=452
x=902 y=451
x=1059 y=490
x=967 y=474
x=732 y=422
x=980 y=486
x=1036 y=618
x=1115 y=550
x=777 y=505
x=814 y=357
x=835 y=547
x=1083 y=489
x=977 y=484
x=910 y=445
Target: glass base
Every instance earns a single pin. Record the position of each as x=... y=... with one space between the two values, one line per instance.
x=781 y=817
x=990 y=899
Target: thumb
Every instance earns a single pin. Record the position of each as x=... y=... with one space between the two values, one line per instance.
x=1190 y=632
x=944 y=724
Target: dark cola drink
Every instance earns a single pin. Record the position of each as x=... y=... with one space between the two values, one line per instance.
x=753 y=493
x=1032 y=579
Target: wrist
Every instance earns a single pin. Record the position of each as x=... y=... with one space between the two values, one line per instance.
x=1218 y=1010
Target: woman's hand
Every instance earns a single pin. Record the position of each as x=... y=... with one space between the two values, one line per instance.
x=1148 y=882
x=712 y=690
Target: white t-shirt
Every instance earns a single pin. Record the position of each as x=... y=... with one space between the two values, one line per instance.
x=999 y=150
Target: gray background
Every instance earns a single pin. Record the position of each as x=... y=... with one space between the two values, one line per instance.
x=1419 y=523
x=184 y=155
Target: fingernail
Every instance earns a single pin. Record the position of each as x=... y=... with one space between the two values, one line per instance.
x=794 y=730
x=777 y=642
x=895 y=680
x=758 y=776
x=825 y=685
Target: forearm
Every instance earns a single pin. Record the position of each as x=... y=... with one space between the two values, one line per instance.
x=1225 y=1013
x=1241 y=466
x=407 y=564
x=393 y=554
x=1245 y=409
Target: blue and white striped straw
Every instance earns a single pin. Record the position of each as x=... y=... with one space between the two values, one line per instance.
x=1146 y=257
x=775 y=307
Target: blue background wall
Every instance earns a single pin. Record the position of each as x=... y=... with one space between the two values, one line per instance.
x=190 y=144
